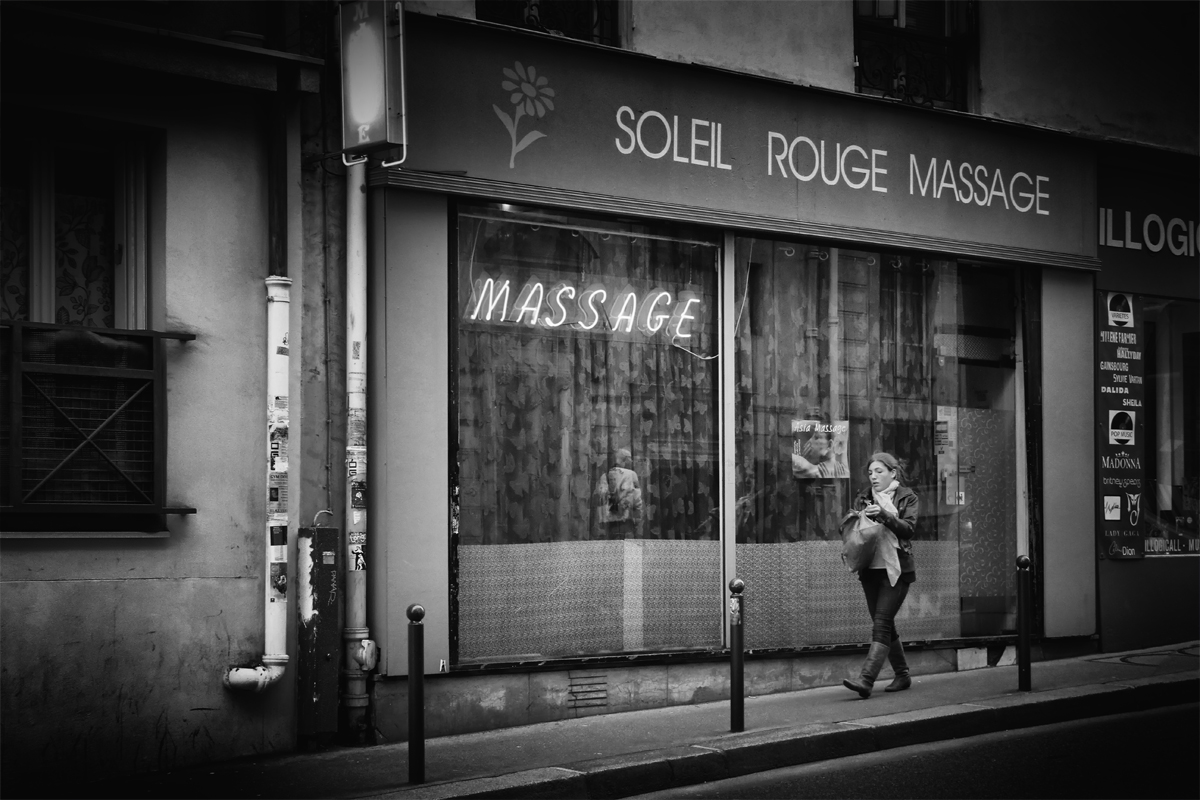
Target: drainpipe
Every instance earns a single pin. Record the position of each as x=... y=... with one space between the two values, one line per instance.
x=359 y=649
x=274 y=660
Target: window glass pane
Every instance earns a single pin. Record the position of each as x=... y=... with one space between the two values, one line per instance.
x=842 y=353
x=926 y=16
x=83 y=239
x=14 y=235
x=587 y=433
x=1172 y=386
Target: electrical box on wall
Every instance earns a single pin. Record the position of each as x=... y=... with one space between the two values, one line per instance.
x=319 y=632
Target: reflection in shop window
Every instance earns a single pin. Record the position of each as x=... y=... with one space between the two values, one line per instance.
x=587 y=437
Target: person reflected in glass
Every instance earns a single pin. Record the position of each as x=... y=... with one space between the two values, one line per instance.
x=885 y=582
x=817 y=459
x=618 y=499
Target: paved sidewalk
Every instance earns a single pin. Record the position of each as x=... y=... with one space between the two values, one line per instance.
x=617 y=755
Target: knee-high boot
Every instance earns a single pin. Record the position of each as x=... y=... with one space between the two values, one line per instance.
x=899 y=666
x=870 y=670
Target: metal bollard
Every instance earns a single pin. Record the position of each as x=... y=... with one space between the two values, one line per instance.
x=1024 y=603
x=737 y=610
x=416 y=694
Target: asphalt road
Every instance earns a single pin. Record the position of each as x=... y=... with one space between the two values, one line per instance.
x=1150 y=754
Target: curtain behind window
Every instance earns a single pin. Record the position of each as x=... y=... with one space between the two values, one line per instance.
x=587 y=460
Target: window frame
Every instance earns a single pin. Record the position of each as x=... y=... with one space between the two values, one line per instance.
x=130 y=233
x=1006 y=352
x=464 y=209
x=130 y=148
x=957 y=46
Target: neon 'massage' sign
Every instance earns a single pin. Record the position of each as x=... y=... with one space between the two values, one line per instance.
x=594 y=307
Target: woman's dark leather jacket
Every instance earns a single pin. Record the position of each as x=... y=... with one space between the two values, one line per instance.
x=903 y=523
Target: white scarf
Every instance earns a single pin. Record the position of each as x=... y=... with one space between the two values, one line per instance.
x=885 y=499
x=886 y=556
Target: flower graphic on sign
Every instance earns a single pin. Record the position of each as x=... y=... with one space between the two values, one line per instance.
x=531 y=97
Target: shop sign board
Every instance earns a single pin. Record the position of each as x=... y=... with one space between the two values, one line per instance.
x=1120 y=420
x=1147 y=225
x=539 y=112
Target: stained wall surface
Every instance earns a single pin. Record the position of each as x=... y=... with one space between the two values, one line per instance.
x=809 y=43
x=1122 y=70
x=114 y=649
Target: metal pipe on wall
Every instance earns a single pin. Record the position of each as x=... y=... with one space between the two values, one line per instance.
x=359 y=649
x=275 y=659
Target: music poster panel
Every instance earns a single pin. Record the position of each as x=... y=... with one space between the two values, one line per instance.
x=1120 y=439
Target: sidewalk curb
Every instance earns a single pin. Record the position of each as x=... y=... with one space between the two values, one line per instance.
x=738 y=754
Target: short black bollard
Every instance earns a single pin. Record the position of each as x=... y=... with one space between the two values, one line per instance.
x=1024 y=608
x=416 y=694
x=737 y=611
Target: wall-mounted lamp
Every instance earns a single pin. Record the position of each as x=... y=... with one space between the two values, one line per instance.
x=374 y=117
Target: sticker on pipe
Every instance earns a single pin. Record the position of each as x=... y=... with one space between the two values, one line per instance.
x=278 y=581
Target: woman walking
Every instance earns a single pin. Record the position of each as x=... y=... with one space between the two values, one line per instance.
x=885 y=582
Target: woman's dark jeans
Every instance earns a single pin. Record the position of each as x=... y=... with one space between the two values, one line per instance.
x=883 y=601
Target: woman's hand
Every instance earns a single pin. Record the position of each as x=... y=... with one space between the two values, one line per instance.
x=873 y=511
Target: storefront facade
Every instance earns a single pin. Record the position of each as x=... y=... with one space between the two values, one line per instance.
x=636 y=328
x=1148 y=365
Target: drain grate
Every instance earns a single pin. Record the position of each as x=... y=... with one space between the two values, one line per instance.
x=587 y=690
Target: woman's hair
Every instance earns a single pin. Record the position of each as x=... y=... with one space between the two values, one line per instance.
x=891 y=462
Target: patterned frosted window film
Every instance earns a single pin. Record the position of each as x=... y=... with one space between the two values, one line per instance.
x=84 y=229
x=83 y=190
x=910 y=355
x=586 y=392
x=14 y=239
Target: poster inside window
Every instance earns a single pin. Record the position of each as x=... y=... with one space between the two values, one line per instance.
x=1148 y=446
x=587 y=453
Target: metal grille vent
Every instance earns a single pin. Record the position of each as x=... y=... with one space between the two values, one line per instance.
x=587 y=690
x=88 y=439
x=84 y=428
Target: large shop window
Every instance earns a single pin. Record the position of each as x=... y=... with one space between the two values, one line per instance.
x=1172 y=392
x=841 y=353
x=586 y=392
